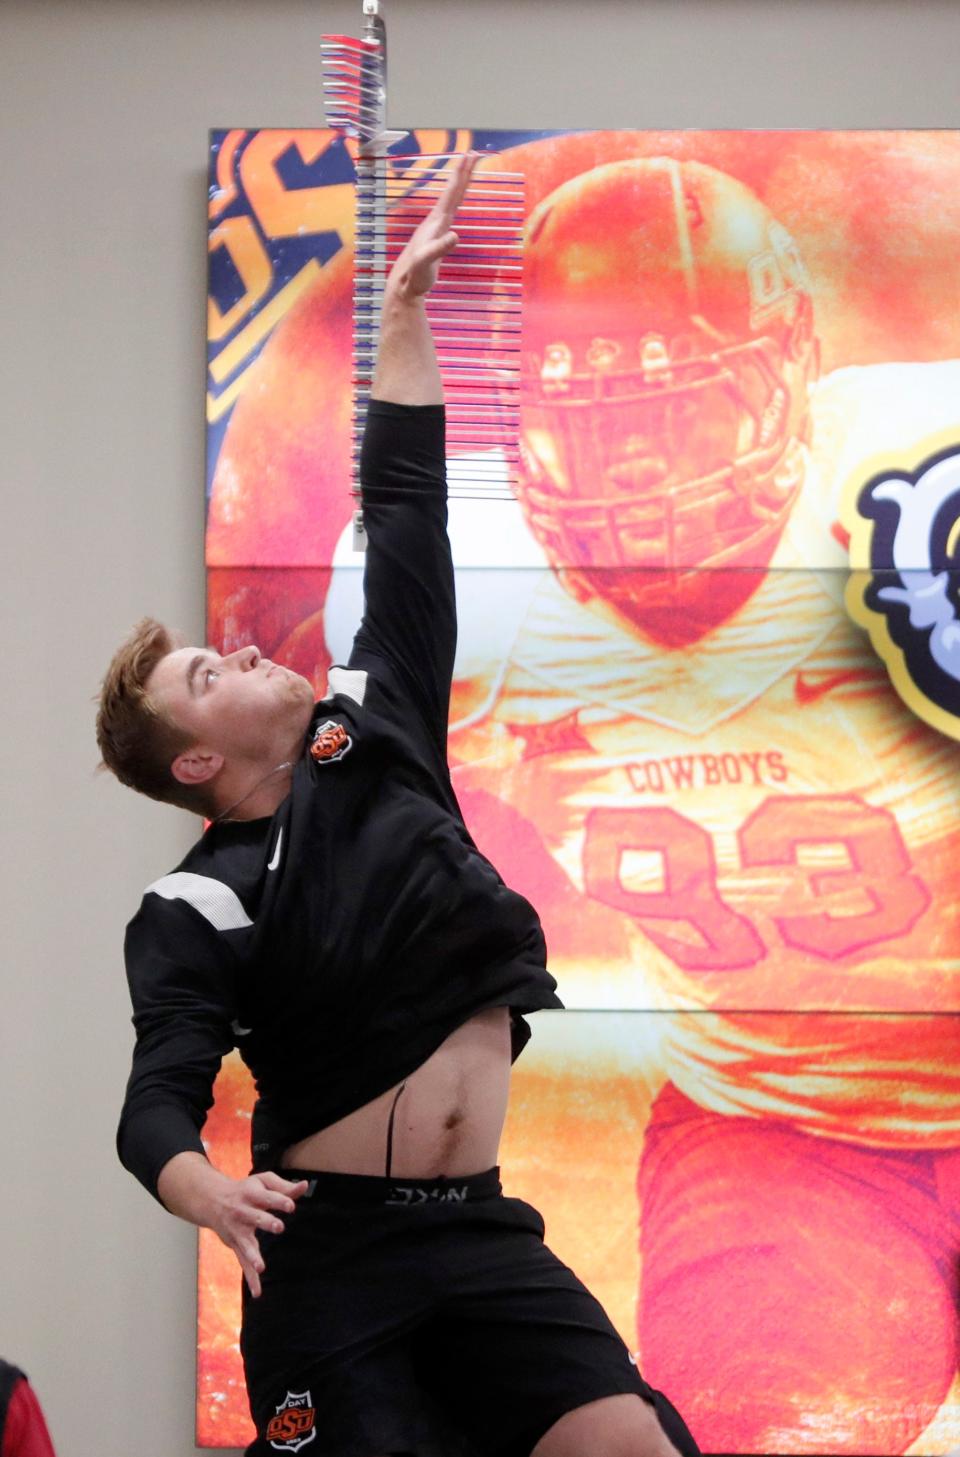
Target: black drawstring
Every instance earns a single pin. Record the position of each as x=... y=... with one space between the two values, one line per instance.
x=393 y=1110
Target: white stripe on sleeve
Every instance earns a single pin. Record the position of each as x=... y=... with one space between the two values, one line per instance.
x=351 y=682
x=216 y=902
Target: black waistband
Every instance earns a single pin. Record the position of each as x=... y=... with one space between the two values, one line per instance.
x=373 y=1189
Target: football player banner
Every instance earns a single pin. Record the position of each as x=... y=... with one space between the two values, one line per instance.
x=667 y=731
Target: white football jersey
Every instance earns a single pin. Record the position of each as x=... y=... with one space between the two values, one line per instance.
x=742 y=834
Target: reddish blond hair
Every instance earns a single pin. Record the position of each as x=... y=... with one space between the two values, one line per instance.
x=138 y=743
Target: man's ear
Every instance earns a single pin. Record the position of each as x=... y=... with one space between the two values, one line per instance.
x=196 y=766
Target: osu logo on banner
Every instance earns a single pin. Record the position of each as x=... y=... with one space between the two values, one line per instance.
x=294 y=1424
x=330 y=742
x=905 y=553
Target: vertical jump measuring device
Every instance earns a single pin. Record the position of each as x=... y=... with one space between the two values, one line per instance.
x=474 y=308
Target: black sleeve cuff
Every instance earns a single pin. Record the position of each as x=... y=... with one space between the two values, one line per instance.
x=403 y=450
x=149 y=1139
x=389 y=409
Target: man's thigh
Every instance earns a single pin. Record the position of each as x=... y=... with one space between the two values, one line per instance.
x=615 y=1426
x=521 y=1344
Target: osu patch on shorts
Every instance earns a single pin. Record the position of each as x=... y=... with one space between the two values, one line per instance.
x=330 y=742
x=295 y=1423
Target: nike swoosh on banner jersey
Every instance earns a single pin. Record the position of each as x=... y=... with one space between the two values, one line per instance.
x=806 y=692
x=276 y=853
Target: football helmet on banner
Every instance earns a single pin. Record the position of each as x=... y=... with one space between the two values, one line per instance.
x=668 y=354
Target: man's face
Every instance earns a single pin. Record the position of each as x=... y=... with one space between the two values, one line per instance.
x=241 y=706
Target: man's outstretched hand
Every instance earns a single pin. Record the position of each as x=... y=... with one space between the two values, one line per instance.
x=243 y=1207
x=235 y=1209
x=415 y=271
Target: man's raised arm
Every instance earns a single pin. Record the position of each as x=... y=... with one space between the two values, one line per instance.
x=410 y=610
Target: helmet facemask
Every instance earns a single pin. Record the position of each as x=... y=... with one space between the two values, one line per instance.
x=648 y=455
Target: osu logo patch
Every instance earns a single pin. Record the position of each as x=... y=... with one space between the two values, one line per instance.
x=330 y=742
x=905 y=587
x=295 y=1423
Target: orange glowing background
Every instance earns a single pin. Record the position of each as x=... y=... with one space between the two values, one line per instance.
x=744 y=1133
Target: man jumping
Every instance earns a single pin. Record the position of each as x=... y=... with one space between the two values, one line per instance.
x=338 y=925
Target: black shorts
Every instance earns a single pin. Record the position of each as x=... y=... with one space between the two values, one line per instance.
x=424 y=1318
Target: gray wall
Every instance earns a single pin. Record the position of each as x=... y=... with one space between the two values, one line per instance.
x=105 y=110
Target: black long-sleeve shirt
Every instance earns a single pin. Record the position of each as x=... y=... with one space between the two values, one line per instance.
x=338 y=942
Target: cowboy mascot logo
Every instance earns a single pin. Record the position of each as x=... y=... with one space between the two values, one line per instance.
x=905 y=585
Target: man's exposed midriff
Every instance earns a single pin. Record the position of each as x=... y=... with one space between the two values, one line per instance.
x=447 y=1120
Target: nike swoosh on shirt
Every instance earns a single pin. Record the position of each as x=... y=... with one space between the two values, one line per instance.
x=276 y=853
x=806 y=691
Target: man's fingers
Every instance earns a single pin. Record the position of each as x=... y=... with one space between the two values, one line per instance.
x=272 y=1199
x=263 y=1220
x=270 y=1180
x=451 y=198
x=252 y=1279
x=248 y=1253
x=260 y=1210
x=464 y=170
x=439 y=249
x=295 y=1188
